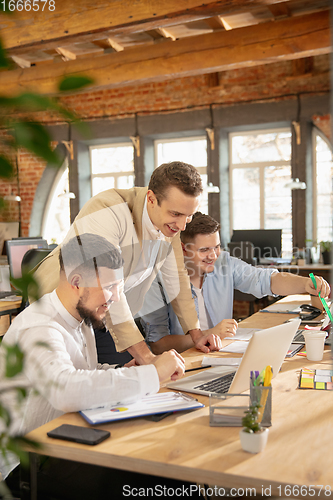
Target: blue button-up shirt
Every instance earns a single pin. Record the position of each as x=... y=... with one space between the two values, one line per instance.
x=218 y=291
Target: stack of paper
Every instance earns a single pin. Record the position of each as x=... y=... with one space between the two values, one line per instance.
x=214 y=361
x=151 y=405
x=236 y=347
x=243 y=334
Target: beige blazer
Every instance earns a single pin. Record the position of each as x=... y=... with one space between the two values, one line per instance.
x=116 y=214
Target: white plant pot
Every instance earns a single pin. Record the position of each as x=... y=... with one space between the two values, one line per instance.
x=253 y=442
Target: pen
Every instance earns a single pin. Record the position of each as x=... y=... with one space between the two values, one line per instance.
x=267 y=383
x=323 y=301
x=260 y=378
x=268 y=376
x=199 y=368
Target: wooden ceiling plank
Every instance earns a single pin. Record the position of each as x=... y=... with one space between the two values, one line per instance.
x=21 y=62
x=68 y=54
x=155 y=34
x=166 y=34
x=287 y=39
x=115 y=45
x=215 y=23
x=87 y=18
x=280 y=10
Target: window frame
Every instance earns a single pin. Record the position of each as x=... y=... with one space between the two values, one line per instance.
x=201 y=170
x=260 y=165
x=316 y=131
x=115 y=175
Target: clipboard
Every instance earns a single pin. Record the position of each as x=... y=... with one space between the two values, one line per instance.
x=150 y=405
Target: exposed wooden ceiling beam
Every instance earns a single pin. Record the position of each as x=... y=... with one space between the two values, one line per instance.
x=88 y=18
x=287 y=39
x=280 y=10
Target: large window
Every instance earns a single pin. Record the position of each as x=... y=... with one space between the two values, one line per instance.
x=323 y=196
x=259 y=170
x=112 y=166
x=192 y=150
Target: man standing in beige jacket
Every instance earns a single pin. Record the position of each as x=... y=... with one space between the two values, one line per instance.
x=145 y=226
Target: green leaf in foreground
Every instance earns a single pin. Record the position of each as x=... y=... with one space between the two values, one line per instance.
x=14 y=360
x=6 y=168
x=17 y=445
x=35 y=138
x=27 y=285
x=74 y=83
x=4 y=63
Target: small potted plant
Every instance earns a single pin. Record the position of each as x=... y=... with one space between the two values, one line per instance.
x=326 y=251
x=253 y=436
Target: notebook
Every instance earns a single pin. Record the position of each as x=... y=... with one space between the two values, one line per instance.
x=150 y=405
x=266 y=347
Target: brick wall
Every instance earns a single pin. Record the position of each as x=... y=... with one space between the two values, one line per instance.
x=273 y=81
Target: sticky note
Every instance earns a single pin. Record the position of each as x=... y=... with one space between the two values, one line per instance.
x=324 y=372
x=320 y=385
x=323 y=378
x=306 y=383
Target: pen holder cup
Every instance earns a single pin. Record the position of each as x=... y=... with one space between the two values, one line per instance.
x=227 y=410
x=263 y=396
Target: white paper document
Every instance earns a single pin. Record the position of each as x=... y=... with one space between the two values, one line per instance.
x=283 y=308
x=236 y=347
x=243 y=334
x=215 y=361
x=150 y=405
x=10 y=298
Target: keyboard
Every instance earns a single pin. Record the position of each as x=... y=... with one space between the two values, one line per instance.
x=219 y=385
x=299 y=337
x=3 y=295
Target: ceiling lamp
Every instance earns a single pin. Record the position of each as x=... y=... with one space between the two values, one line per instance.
x=12 y=197
x=212 y=189
x=67 y=194
x=295 y=184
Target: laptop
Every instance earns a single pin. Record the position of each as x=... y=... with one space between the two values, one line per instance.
x=266 y=347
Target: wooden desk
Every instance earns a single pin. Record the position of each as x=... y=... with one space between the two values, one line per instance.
x=8 y=308
x=323 y=270
x=183 y=446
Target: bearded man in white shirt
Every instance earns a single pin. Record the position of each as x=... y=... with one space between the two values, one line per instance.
x=61 y=372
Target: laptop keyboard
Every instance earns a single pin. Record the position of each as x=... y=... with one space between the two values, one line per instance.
x=299 y=337
x=219 y=385
x=3 y=295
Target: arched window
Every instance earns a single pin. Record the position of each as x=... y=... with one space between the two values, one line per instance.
x=56 y=220
x=322 y=188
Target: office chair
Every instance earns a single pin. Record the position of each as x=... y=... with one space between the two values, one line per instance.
x=244 y=250
x=30 y=259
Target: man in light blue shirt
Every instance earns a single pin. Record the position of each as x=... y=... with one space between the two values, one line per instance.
x=214 y=275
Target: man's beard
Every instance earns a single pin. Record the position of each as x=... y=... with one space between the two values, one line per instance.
x=88 y=316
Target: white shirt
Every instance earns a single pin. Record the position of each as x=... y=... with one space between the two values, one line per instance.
x=63 y=369
x=151 y=240
x=203 y=315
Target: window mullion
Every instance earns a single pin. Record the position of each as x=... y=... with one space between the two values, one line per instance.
x=262 y=197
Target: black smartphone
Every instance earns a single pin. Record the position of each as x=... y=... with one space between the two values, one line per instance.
x=78 y=434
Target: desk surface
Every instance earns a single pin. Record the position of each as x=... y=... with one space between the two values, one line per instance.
x=183 y=446
x=7 y=305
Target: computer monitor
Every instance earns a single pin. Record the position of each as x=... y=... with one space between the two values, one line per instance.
x=16 y=248
x=267 y=242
